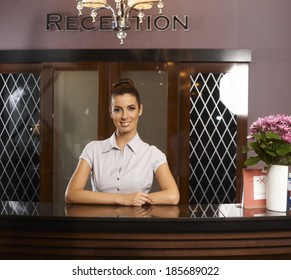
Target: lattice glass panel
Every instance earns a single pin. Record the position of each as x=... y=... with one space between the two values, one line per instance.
x=19 y=136
x=204 y=211
x=212 y=143
x=19 y=208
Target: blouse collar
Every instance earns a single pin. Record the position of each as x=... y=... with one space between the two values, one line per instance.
x=133 y=144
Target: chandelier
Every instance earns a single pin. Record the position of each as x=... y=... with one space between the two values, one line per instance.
x=122 y=12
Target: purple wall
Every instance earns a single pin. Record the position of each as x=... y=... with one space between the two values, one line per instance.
x=260 y=25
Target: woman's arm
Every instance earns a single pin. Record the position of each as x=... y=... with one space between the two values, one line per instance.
x=76 y=193
x=169 y=193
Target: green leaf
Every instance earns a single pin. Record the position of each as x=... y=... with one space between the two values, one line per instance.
x=270 y=151
x=284 y=150
x=245 y=149
x=254 y=146
x=252 y=161
x=258 y=136
x=286 y=160
x=272 y=135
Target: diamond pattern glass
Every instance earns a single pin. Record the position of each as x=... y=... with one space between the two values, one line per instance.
x=19 y=208
x=204 y=211
x=212 y=143
x=19 y=136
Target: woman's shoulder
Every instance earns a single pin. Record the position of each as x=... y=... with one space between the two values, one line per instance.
x=156 y=150
x=153 y=149
x=97 y=144
x=141 y=144
x=94 y=143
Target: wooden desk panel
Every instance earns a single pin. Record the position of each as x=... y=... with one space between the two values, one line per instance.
x=82 y=245
x=75 y=237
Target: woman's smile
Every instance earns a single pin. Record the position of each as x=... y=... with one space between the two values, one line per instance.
x=125 y=124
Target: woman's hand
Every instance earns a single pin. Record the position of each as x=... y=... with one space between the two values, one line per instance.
x=135 y=199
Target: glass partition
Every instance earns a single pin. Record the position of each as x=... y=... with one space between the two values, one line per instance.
x=19 y=136
x=75 y=122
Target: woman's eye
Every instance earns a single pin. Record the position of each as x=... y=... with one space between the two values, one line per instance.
x=116 y=110
x=131 y=108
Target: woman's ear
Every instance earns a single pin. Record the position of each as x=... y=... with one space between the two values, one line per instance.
x=110 y=112
x=140 y=110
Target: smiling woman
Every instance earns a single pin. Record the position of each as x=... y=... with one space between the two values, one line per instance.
x=122 y=167
x=125 y=110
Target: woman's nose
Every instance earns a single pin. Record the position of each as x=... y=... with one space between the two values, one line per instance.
x=124 y=114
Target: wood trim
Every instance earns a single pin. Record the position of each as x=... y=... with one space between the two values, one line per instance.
x=241 y=137
x=82 y=244
x=46 y=133
x=184 y=91
x=125 y=55
x=108 y=246
x=173 y=119
x=103 y=101
x=115 y=69
x=20 y=68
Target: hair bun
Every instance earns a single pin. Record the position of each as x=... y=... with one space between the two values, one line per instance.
x=123 y=83
x=125 y=86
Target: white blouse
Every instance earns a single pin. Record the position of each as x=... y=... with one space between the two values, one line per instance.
x=127 y=171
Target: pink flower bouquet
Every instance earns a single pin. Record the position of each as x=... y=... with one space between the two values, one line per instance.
x=270 y=139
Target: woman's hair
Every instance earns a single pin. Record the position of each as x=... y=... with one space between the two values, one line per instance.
x=125 y=86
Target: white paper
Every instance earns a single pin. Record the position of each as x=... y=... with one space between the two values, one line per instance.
x=259 y=187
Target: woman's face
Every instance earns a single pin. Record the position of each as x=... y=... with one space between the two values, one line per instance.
x=125 y=113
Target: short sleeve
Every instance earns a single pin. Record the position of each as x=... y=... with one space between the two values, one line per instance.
x=88 y=154
x=159 y=159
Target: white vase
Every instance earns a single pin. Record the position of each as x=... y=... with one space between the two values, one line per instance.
x=276 y=188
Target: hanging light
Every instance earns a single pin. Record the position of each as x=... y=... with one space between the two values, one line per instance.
x=141 y=4
x=94 y=3
x=121 y=13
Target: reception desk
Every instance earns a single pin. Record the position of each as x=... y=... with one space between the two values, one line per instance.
x=60 y=231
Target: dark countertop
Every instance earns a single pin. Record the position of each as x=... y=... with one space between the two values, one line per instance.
x=156 y=219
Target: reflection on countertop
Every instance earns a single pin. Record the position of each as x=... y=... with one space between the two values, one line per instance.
x=147 y=211
x=20 y=208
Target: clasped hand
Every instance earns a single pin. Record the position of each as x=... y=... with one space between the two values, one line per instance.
x=137 y=199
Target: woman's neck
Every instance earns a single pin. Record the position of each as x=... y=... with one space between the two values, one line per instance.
x=123 y=138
